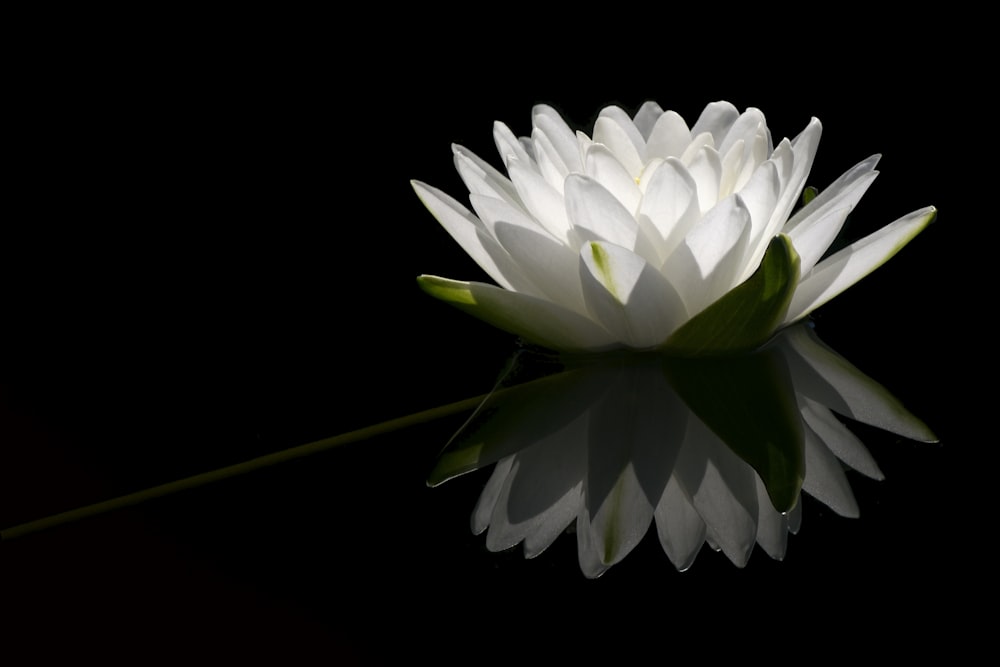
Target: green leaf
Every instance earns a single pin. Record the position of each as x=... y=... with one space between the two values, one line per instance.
x=749 y=402
x=748 y=315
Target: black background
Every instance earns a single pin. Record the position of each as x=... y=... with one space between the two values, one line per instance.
x=209 y=254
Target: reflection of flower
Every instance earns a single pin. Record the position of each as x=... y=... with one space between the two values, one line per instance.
x=620 y=239
x=708 y=450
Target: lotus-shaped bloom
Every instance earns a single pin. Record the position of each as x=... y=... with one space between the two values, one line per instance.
x=652 y=233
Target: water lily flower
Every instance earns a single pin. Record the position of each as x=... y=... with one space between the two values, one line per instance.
x=711 y=451
x=652 y=233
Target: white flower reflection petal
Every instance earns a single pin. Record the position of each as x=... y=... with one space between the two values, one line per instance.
x=541 y=494
x=825 y=479
x=679 y=526
x=772 y=526
x=483 y=512
x=625 y=482
x=611 y=446
x=722 y=490
x=839 y=439
x=824 y=376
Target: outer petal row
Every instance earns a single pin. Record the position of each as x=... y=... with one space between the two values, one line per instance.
x=846 y=267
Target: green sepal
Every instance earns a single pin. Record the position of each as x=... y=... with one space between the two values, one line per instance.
x=749 y=314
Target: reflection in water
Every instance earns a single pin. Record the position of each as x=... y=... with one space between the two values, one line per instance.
x=712 y=451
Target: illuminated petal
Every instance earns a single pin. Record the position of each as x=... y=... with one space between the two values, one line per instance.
x=630 y=298
x=841 y=270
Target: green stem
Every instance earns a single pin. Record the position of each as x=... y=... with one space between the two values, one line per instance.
x=219 y=474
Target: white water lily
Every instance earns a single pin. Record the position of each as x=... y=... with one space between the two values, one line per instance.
x=621 y=238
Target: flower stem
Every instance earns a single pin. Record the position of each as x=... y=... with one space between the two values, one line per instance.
x=219 y=474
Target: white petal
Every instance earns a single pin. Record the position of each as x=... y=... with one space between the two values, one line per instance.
x=646 y=117
x=482 y=178
x=540 y=199
x=804 y=149
x=492 y=210
x=743 y=130
x=669 y=137
x=825 y=479
x=716 y=119
x=670 y=203
x=547 y=263
x=563 y=139
x=816 y=225
x=732 y=162
x=698 y=142
x=628 y=296
x=812 y=240
x=610 y=132
x=597 y=214
x=602 y=166
x=705 y=266
x=841 y=270
x=706 y=170
x=508 y=145
x=839 y=439
x=760 y=196
x=550 y=163
x=475 y=239
x=847 y=191
x=537 y=320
